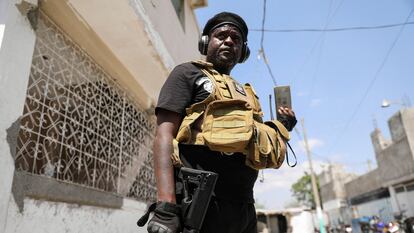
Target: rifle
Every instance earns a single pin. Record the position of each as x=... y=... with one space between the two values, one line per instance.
x=198 y=188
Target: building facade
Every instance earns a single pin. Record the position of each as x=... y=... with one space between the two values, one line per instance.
x=79 y=82
x=332 y=181
x=385 y=191
x=389 y=189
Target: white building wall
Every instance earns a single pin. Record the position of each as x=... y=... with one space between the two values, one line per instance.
x=40 y=216
x=17 y=44
x=332 y=209
x=17 y=40
x=302 y=222
x=332 y=204
x=381 y=207
x=181 y=41
x=406 y=202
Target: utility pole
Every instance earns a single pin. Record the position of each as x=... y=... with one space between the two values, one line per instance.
x=315 y=190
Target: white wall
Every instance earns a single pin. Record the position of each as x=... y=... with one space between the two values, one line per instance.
x=16 y=52
x=302 y=222
x=181 y=43
x=41 y=216
x=381 y=207
x=332 y=204
x=406 y=201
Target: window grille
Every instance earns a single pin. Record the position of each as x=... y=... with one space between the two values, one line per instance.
x=79 y=126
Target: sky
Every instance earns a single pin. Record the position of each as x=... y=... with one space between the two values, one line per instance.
x=338 y=79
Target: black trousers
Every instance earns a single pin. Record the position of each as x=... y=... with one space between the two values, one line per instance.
x=229 y=217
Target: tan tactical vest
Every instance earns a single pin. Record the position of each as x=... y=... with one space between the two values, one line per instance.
x=230 y=120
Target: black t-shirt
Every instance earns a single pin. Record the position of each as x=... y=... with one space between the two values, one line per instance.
x=186 y=85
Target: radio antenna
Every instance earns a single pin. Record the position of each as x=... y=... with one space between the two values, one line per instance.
x=270 y=107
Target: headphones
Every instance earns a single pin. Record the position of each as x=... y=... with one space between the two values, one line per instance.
x=203 y=45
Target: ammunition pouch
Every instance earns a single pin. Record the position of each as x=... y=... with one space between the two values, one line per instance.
x=267 y=148
x=228 y=125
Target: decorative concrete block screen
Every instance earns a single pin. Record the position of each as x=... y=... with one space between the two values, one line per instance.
x=79 y=126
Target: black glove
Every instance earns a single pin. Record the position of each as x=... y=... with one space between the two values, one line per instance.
x=166 y=218
x=288 y=121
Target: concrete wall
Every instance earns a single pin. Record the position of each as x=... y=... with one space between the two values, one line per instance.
x=332 y=182
x=381 y=207
x=395 y=161
x=406 y=202
x=53 y=217
x=122 y=37
x=328 y=192
x=16 y=51
x=118 y=38
x=395 y=169
x=395 y=157
x=302 y=222
x=408 y=121
x=363 y=184
x=339 y=216
x=181 y=41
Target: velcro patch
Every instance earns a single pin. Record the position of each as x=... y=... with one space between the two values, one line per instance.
x=239 y=88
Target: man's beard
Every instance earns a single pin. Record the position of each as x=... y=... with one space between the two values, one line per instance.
x=221 y=62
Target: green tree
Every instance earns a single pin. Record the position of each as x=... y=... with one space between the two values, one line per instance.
x=302 y=191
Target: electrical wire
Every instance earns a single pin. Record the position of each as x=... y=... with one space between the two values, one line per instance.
x=326 y=158
x=336 y=29
x=262 y=50
x=321 y=42
x=330 y=161
x=373 y=80
x=318 y=40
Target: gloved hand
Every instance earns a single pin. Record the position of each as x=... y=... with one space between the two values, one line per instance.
x=166 y=218
x=287 y=118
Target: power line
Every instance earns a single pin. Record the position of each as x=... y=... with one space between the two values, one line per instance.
x=374 y=79
x=329 y=20
x=336 y=29
x=318 y=59
x=262 y=50
x=326 y=158
x=320 y=41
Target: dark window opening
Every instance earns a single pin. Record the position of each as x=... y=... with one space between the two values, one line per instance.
x=179 y=9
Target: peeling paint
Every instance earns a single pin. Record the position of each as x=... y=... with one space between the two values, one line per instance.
x=12 y=133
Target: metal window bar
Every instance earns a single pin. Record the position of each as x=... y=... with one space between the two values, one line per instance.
x=81 y=127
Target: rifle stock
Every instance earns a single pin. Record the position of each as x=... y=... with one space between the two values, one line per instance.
x=198 y=189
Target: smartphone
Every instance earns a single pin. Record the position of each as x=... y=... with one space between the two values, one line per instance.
x=282 y=97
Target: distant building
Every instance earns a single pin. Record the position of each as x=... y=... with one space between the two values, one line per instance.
x=292 y=220
x=389 y=189
x=78 y=84
x=332 y=185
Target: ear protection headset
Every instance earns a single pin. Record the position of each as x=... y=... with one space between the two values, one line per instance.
x=203 y=45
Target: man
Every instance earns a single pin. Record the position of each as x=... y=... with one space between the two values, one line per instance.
x=224 y=42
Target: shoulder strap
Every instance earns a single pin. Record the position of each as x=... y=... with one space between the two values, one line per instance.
x=225 y=88
x=205 y=67
x=202 y=64
x=255 y=100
